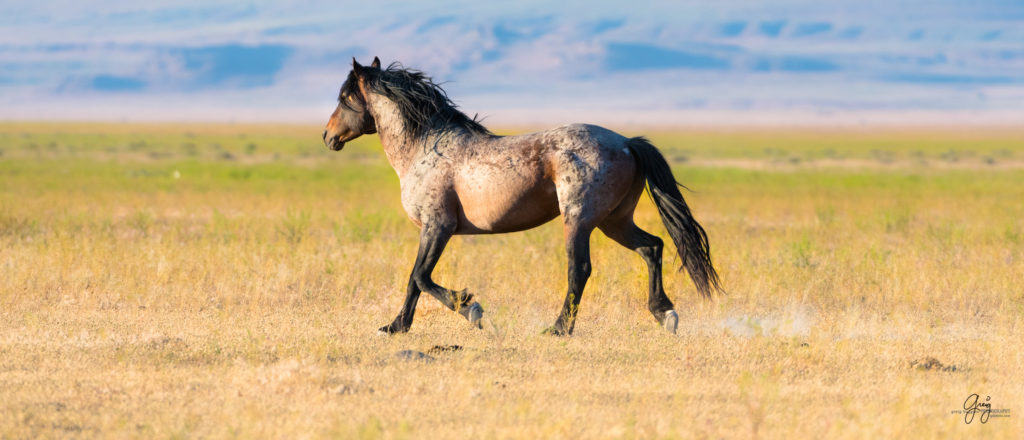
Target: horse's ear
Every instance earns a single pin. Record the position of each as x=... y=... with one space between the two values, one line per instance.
x=356 y=67
x=376 y=63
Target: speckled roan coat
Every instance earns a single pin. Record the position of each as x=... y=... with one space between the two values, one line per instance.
x=458 y=178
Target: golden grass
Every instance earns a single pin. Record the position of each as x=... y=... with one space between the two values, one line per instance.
x=227 y=281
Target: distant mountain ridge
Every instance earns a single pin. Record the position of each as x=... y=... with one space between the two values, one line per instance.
x=863 y=56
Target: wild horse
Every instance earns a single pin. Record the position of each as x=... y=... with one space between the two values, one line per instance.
x=459 y=178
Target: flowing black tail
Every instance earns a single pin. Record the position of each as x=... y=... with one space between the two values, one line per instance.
x=690 y=239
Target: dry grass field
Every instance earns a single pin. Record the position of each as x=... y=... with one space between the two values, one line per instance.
x=227 y=281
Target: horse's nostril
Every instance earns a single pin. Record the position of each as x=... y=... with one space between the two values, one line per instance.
x=325 y=135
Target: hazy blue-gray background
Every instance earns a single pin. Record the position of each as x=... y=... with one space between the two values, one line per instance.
x=515 y=62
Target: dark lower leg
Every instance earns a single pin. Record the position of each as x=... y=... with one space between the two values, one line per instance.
x=650 y=248
x=403 y=321
x=657 y=302
x=578 y=249
x=432 y=243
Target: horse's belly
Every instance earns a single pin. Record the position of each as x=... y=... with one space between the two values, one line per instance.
x=504 y=201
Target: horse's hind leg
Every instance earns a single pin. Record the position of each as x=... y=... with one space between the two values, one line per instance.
x=626 y=233
x=577 y=244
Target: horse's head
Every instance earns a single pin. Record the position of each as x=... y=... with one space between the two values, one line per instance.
x=351 y=118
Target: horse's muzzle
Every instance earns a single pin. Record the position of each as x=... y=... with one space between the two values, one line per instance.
x=335 y=143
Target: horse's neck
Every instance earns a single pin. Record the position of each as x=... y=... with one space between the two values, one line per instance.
x=395 y=139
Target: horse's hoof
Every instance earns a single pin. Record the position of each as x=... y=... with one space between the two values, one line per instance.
x=554 y=331
x=475 y=315
x=671 y=321
x=389 y=330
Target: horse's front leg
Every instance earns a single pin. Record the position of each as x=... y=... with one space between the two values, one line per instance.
x=433 y=239
x=403 y=321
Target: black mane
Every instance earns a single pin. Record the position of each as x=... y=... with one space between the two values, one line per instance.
x=423 y=104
